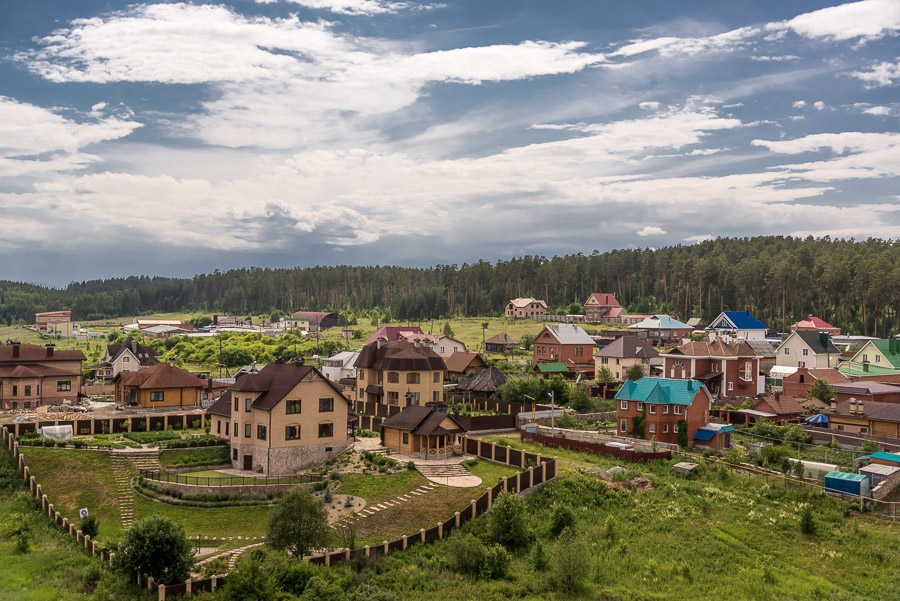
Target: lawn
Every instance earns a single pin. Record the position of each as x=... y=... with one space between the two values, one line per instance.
x=176 y=458
x=75 y=479
x=375 y=489
x=218 y=522
x=490 y=472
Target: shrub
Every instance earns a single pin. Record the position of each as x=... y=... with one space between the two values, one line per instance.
x=571 y=560
x=369 y=591
x=465 y=553
x=411 y=465
x=90 y=525
x=320 y=589
x=807 y=520
x=157 y=547
x=249 y=582
x=539 y=558
x=563 y=517
x=508 y=521
x=495 y=563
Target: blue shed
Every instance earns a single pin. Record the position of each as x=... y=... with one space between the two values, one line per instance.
x=842 y=483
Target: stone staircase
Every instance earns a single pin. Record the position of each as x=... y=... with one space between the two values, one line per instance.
x=125 y=465
x=443 y=471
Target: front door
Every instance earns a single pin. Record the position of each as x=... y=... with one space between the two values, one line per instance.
x=248 y=462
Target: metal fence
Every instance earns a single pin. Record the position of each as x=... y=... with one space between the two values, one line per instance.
x=156 y=476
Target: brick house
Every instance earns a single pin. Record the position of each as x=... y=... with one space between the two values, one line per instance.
x=161 y=385
x=663 y=403
x=399 y=373
x=621 y=354
x=43 y=321
x=522 y=308
x=33 y=376
x=728 y=369
x=814 y=324
x=284 y=418
x=798 y=383
x=564 y=343
x=602 y=307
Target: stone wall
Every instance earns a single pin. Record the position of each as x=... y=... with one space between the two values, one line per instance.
x=286 y=460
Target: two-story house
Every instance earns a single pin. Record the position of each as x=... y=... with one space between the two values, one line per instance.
x=875 y=358
x=522 y=308
x=665 y=405
x=621 y=354
x=567 y=344
x=161 y=385
x=126 y=356
x=284 y=418
x=727 y=369
x=803 y=348
x=732 y=326
x=340 y=366
x=33 y=376
x=662 y=329
x=602 y=307
x=399 y=373
x=814 y=324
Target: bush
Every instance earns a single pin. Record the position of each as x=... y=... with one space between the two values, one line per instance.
x=249 y=582
x=465 y=553
x=539 y=558
x=157 y=547
x=509 y=521
x=320 y=589
x=571 y=560
x=563 y=517
x=411 y=465
x=807 y=520
x=90 y=525
x=298 y=523
x=495 y=563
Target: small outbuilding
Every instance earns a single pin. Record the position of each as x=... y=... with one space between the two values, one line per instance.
x=844 y=484
x=425 y=430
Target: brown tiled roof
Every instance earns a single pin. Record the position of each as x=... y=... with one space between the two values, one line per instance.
x=487 y=381
x=502 y=339
x=628 y=347
x=222 y=406
x=889 y=412
x=33 y=371
x=29 y=353
x=276 y=380
x=866 y=387
x=399 y=356
x=830 y=375
x=162 y=375
x=418 y=420
x=790 y=405
x=714 y=349
x=392 y=333
x=459 y=361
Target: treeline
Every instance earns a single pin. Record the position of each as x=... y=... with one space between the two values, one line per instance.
x=854 y=285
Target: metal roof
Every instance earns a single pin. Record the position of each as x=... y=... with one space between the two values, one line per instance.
x=659 y=390
x=740 y=320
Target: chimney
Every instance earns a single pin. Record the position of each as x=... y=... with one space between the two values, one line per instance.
x=690 y=384
x=49 y=350
x=860 y=407
x=853 y=405
x=777 y=396
x=15 y=351
x=823 y=340
x=834 y=404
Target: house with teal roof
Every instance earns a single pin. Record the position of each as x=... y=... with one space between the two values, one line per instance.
x=660 y=408
x=874 y=358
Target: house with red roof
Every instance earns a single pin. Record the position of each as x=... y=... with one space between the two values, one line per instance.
x=727 y=369
x=33 y=376
x=814 y=324
x=602 y=307
x=393 y=333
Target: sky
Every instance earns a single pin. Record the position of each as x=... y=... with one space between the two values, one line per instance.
x=179 y=138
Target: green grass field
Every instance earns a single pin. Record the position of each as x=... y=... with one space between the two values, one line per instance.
x=176 y=458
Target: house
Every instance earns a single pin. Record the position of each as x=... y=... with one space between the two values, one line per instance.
x=874 y=358
x=43 y=321
x=713 y=436
x=728 y=369
x=425 y=430
x=564 y=343
x=130 y=355
x=318 y=320
x=798 y=383
x=867 y=391
x=602 y=307
x=696 y=323
x=481 y=386
x=734 y=325
x=440 y=344
x=162 y=385
x=882 y=458
x=545 y=370
x=165 y=331
x=500 y=343
x=621 y=354
x=880 y=419
x=814 y=324
x=392 y=333
x=340 y=365
x=460 y=364
x=284 y=418
x=803 y=348
x=786 y=409
x=662 y=329
x=665 y=405
x=519 y=308
x=399 y=373
x=34 y=376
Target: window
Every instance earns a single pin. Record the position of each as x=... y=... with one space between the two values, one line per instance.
x=393 y=377
x=746 y=371
x=126 y=359
x=801 y=363
x=652 y=409
x=863 y=430
x=234 y=454
x=326 y=430
x=665 y=408
x=235 y=428
x=157 y=396
x=392 y=398
x=248 y=403
x=579 y=351
x=435 y=396
x=27 y=390
x=292 y=432
x=218 y=426
x=326 y=405
x=624 y=425
x=246 y=430
x=28 y=404
x=618 y=361
x=730 y=386
x=675 y=428
x=787 y=351
x=412 y=398
x=226 y=428
x=652 y=428
x=877 y=358
x=260 y=432
x=63 y=385
x=237 y=404
x=442 y=349
x=865 y=358
x=665 y=428
x=676 y=410
x=292 y=407
x=406 y=438
x=15 y=390
x=640 y=406
x=413 y=378
x=840 y=427
x=362 y=374
x=604 y=361
x=623 y=405
x=805 y=352
x=437 y=376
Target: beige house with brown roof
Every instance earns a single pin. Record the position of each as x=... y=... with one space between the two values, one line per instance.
x=285 y=418
x=399 y=373
x=32 y=376
x=525 y=308
x=161 y=385
x=425 y=431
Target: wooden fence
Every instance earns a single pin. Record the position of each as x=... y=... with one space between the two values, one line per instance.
x=538 y=470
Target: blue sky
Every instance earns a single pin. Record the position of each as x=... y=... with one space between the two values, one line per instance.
x=178 y=138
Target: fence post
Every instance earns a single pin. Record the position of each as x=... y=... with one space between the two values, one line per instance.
x=456 y=518
x=522 y=459
x=530 y=476
x=478 y=449
x=327 y=559
x=543 y=471
x=403 y=538
x=474 y=508
x=385 y=547
x=347 y=555
x=367 y=550
x=422 y=534
x=505 y=485
x=87 y=541
x=440 y=530
x=65 y=524
x=79 y=537
x=150 y=583
x=112 y=559
x=212 y=582
x=162 y=592
x=490 y=494
x=493 y=450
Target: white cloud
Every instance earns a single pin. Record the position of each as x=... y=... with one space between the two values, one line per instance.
x=819 y=105
x=866 y=20
x=649 y=106
x=776 y=59
x=362 y=7
x=651 y=230
x=882 y=74
x=34 y=139
x=799 y=104
x=880 y=111
x=698 y=238
x=671 y=46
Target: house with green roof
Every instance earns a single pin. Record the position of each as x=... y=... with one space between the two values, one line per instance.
x=876 y=357
x=660 y=407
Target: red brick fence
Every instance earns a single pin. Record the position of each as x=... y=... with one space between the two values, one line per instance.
x=593 y=447
x=538 y=470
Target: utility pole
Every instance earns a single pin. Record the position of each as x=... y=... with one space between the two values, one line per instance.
x=552 y=411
